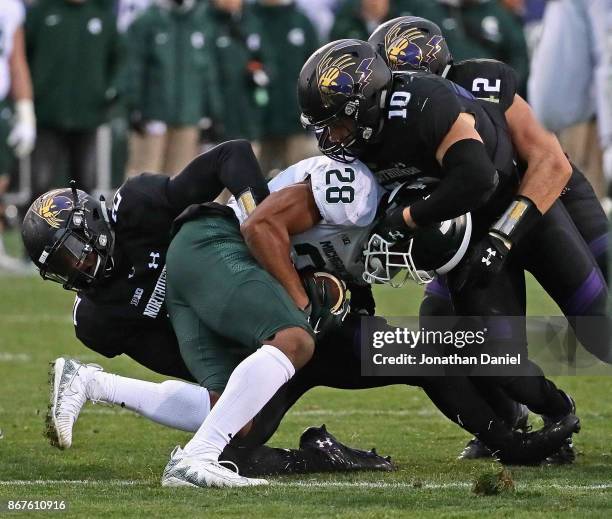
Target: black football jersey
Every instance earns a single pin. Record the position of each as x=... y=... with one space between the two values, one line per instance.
x=487 y=80
x=421 y=109
x=128 y=310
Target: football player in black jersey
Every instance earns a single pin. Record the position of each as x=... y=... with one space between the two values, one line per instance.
x=114 y=258
x=405 y=44
x=417 y=122
x=575 y=283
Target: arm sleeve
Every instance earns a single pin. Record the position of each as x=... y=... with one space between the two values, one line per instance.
x=469 y=182
x=230 y=165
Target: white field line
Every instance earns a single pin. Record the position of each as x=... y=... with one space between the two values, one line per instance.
x=315 y=484
x=308 y=412
x=33 y=318
x=14 y=357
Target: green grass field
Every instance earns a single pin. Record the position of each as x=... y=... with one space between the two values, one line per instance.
x=115 y=464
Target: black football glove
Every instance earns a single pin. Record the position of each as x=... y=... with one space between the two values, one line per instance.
x=319 y=310
x=362 y=300
x=486 y=259
x=392 y=227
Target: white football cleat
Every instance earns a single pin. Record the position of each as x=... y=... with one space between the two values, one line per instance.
x=68 y=379
x=183 y=471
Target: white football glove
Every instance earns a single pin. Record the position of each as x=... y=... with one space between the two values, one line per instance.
x=23 y=134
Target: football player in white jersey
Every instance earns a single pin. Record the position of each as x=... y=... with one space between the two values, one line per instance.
x=17 y=121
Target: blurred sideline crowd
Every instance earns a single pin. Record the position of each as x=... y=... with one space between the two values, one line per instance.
x=97 y=90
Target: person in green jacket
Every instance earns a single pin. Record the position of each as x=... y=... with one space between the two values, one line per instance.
x=497 y=32
x=242 y=79
x=289 y=38
x=167 y=84
x=74 y=53
x=359 y=18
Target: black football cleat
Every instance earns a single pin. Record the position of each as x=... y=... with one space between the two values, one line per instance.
x=566 y=455
x=475 y=449
x=532 y=448
x=341 y=457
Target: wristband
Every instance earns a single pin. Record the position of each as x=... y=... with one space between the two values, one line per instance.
x=516 y=221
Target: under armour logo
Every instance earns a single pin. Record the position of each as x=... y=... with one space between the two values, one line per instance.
x=396 y=235
x=154 y=256
x=132 y=273
x=491 y=254
x=323 y=443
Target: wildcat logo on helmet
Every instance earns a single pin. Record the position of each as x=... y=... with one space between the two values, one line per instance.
x=332 y=79
x=54 y=207
x=401 y=49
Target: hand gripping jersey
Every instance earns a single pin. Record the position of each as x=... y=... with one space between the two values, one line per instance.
x=347 y=196
x=118 y=312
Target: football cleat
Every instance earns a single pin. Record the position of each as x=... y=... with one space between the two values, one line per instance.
x=476 y=449
x=534 y=447
x=566 y=455
x=342 y=458
x=184 y=471
x=68 y=379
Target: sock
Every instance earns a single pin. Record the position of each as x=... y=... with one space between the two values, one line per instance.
x=175 y=404
x=254 y=381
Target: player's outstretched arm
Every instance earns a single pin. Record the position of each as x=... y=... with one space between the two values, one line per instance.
x=548 y=169
x=230 y=165
x=267 y=232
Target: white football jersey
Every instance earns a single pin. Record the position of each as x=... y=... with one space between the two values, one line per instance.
x=12 y=15
x=347 y=197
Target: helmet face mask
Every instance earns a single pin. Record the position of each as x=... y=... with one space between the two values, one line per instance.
x=70 y=261
x=337 y=135
x=68 y=237
x=383 y=264
x=344 y=80
x=427 y=252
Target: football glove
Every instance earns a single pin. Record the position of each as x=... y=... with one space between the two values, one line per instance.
x=487 y=258
x=23 y=135
x=483 y=262
x=325 y=309
x=392 y=227
x=362 y=300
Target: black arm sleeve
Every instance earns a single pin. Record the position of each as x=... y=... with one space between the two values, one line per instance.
x=230 y=165
x=470 y=179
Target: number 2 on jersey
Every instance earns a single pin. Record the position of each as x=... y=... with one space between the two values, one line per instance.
x=342 y=194
x=486 y=85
